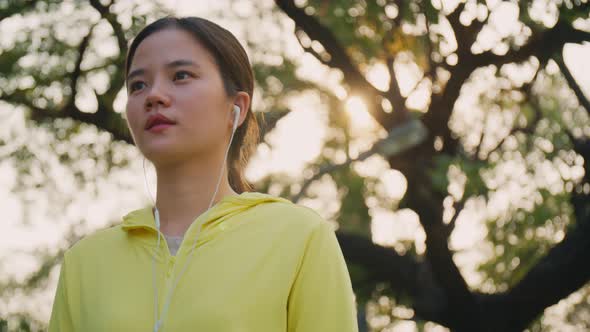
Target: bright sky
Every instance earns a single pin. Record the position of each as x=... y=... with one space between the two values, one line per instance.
x=304 y=127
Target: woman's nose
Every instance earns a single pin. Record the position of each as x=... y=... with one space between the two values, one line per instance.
x=157 y=96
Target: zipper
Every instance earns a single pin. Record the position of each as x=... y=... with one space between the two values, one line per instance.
x=167 y=253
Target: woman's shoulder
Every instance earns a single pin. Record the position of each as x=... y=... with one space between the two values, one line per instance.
x=292 y=215
x=97 y=242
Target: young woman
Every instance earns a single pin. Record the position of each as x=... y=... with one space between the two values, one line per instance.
x=210 y=254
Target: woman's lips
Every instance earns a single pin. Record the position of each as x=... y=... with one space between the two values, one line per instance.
x=160 y=127
x=157 y=123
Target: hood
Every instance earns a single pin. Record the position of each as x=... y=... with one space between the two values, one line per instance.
x=213 y=220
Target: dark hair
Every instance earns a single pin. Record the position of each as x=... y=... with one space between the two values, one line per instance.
x=236 y=73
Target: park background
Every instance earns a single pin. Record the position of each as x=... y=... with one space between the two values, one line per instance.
x=447 y=142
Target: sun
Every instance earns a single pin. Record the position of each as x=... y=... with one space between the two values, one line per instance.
x=360 y=119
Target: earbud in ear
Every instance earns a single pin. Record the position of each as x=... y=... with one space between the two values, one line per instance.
x=236 y=117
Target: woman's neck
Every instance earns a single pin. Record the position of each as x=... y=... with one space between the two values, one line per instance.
x=185 y=192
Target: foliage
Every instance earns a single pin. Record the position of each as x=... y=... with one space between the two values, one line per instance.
x=502 y=122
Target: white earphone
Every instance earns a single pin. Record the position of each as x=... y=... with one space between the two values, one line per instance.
x=236 y=117
x=160 y=315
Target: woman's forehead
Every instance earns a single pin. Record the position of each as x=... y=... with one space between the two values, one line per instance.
x=170 y=45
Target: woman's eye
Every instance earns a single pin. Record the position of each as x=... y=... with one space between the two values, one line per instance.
x=181 y=75
x=136 y=86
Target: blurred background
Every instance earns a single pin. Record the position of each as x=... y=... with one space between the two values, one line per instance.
x=447 y=141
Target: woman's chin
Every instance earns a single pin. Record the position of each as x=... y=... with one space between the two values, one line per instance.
x=161 y=154
x=168 y=156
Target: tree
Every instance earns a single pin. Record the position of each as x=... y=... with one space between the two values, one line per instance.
x=451 y=162
x=355 y=35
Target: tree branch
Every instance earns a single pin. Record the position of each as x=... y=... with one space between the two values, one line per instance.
x=325 y=60
x=399 y=139
x=117 y=80
x=339 y=60
x=105 y=118
x=75 y=75
x=397 y=101
x=19 y=97
x=403 y=273
x=531 y=125
x=112 y=19
x=543 y=45
x=571 y=81
x=458 y=207
x=110 y=122
x=464 y=35
x=564 y=269
x=528 y=129
x=428 y=205
x=17 y=7
x=561 y=272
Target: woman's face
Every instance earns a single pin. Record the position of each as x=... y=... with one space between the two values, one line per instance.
x=172 y=74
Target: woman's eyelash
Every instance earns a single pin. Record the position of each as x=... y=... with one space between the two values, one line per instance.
x=133 y=85
x=183 y=72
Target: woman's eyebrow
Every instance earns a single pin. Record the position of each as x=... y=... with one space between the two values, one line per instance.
x=181 y=62
x=136 y=72
x=175 y=63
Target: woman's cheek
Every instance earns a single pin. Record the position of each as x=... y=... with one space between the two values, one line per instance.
x=134 y=125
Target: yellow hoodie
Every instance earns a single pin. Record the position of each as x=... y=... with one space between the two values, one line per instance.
x=261 y=264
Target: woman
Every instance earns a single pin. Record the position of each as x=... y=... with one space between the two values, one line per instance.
x=243 y=260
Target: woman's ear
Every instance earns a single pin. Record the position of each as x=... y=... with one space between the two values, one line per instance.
x=242 y=100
